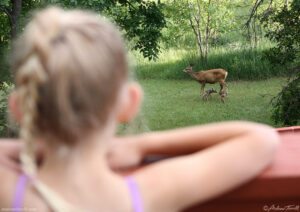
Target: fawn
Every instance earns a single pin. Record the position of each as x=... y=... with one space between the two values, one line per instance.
x=208 y=92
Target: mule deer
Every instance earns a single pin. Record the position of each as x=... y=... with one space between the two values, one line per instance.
x=208 y=92
x=210 y=76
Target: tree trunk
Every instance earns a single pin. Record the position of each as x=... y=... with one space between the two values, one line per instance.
x=215 y=37
x=16 y=11
x=286 y=2
x=254 y=31
x=200 y=40
x=198 y=36
x=207 y=33
x=13 y=16
x=260 y=31
x=207 y=37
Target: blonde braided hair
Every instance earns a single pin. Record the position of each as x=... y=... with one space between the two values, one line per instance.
x=28 y=95
x=44 y=82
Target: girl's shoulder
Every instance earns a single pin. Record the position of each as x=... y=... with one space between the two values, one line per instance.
x=29 y=198
x=8 y=177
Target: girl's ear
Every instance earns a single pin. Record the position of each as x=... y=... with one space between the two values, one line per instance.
x=14 y=107
x=130 y=103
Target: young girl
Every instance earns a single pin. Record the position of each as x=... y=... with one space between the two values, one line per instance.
x=71 y=92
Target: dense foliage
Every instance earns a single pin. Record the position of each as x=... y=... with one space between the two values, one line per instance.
x=284 y=29
x=141 y=21
x=5 y=129
x=287 y=103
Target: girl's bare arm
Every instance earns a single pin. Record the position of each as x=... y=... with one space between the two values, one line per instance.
x=191 y=139
x=131 y=150
x=239 y=151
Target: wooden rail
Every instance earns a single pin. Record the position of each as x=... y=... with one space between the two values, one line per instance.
x=275 y=189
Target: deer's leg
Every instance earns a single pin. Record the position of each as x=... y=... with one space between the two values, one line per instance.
x=221 y=87
x=202 y=88
x=226 y=86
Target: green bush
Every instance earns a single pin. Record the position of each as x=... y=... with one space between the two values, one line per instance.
x=240 y=62
x=5 y=74
x=5 y=129
x=287 y=103
x=283 y=27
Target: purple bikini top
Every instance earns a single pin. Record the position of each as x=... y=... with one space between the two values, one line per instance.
x=23 y=180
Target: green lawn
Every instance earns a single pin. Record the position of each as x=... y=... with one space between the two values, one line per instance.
x=177 y=103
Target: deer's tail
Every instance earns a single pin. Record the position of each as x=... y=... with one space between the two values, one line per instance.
x=226 y=73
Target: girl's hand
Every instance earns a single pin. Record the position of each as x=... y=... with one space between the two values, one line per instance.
x=10 y=150
x=9 y=154
x=124 y=154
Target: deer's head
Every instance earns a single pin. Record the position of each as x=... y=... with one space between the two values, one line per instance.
x=208 y=92
x=188 y=69
x=213 y=90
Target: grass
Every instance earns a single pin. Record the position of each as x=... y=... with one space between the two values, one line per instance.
x=176 y=103
x=236 y=58
x=172 y=99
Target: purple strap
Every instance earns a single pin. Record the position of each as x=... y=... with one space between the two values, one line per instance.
x=22 y=182
x=135 y=195
x=19 y=193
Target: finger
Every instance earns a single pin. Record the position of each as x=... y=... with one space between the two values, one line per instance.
x=12 y=148
x=10 y=164
x=121 y=166
x=10 y=153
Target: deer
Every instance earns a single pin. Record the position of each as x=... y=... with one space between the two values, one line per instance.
x=210 y=76
x=207 y=93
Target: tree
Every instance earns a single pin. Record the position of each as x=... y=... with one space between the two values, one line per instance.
x=177 y=32
x=141 y=21
x=260 y=13
x=204 y=18
x=13 y=10
x=287 y=102
x=284 y=28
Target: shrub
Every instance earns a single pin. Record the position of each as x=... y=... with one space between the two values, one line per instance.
x=5 y=129
x=284 y=29
x=287 y=103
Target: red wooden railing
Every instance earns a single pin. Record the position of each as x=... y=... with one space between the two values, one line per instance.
x=275 y=189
